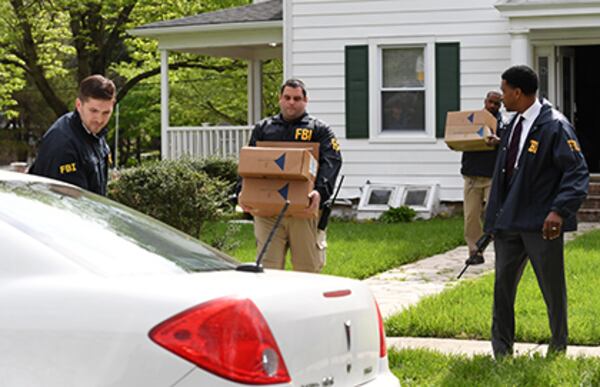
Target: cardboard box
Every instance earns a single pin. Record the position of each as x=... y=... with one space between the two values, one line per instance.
x=312 y=146
x=277 y=163
x=467 y=130
x=266 y=197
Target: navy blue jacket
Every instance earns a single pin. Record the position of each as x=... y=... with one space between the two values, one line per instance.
x=307 y=129
x=552 y=176
x=69 y=153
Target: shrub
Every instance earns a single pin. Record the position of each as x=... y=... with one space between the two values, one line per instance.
x=401 y=214
x=174 y=191
x=219 y=168
x=216 y=167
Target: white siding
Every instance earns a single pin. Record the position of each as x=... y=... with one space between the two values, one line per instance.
x=319 y=31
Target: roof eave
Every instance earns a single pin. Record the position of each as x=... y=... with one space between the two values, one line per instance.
x=156 y=32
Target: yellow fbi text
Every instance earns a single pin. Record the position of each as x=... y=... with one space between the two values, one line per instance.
x=303 y=134
x=533 y=146
x=335 y=144
x=574 y=145
x=67 y=168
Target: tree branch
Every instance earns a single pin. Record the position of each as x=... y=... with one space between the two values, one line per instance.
x=113 y=36
x=147 y=74
x=221 y=114
x=18 y=54
x=13 y=62
x=76 y=24
x=94 y=22
x=31 y=60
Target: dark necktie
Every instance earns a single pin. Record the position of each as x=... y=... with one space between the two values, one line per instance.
x=513 y=149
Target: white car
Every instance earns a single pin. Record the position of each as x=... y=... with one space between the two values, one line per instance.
x=93 y=293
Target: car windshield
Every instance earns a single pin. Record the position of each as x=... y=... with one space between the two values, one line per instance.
x=101 y=235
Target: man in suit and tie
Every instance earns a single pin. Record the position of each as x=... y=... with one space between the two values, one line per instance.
x=540 y=180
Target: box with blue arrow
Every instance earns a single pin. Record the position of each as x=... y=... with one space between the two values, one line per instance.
x=467 y=130
x=266 y=197
x=277 y=163
x=272 y=175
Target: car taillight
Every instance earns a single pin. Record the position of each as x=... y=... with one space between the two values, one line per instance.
x=382 y=347
x=228 y=337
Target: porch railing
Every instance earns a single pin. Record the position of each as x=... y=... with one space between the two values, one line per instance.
x=204 y=141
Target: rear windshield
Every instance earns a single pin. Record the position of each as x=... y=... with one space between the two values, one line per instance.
x=102 y=235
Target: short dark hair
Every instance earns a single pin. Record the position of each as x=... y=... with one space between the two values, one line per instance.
x=97 y=87
x=294 y=83
x=523 y=77
x=493 y=92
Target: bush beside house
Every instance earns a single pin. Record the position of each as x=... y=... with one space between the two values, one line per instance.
x=403 y=214
x=182 y=193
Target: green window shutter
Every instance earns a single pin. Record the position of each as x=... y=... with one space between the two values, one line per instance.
x=447 y=83
x=357 y=92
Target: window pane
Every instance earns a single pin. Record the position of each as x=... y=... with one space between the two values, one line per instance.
x=403 y=110
x=403 y=67
x=380 y=196
x=416 y=198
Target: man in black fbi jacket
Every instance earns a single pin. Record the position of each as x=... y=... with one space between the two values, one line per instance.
x=74 y=150
x=306 y=243
x=540 y=180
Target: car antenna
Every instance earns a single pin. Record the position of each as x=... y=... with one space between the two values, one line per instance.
x=257 y=266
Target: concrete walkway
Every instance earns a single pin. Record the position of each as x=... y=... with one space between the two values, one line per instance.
x=473 y=347
x=399 y=288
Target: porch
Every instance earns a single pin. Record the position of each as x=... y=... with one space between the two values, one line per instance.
x=204 y=141
x=253 y=33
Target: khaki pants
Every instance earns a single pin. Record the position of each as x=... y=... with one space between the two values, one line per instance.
x=476 y=194
x=306 y=243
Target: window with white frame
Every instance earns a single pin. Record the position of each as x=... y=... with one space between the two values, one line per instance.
x=402 y=89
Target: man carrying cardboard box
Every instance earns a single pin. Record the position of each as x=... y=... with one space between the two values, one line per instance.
x=477 y=168
x=298 y=233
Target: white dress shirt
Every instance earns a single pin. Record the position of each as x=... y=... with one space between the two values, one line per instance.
x=529 y=117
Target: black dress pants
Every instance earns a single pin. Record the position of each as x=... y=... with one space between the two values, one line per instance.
x=547 y=258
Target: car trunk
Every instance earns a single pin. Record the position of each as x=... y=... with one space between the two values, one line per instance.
x=326 y=327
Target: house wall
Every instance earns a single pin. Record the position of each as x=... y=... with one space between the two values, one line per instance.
x=316 y=33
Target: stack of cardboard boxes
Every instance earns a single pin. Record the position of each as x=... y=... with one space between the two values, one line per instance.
x=274 y=172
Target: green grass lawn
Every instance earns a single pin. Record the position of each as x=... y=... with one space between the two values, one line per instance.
x=465 y=310
x=360 y=250
x=428 y=368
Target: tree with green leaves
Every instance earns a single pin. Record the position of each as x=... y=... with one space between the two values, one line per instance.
x=45 y=41
x=48 y=46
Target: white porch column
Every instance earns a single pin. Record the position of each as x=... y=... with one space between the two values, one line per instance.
x=520 y=48
x=254 y=91
x=164 y=103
